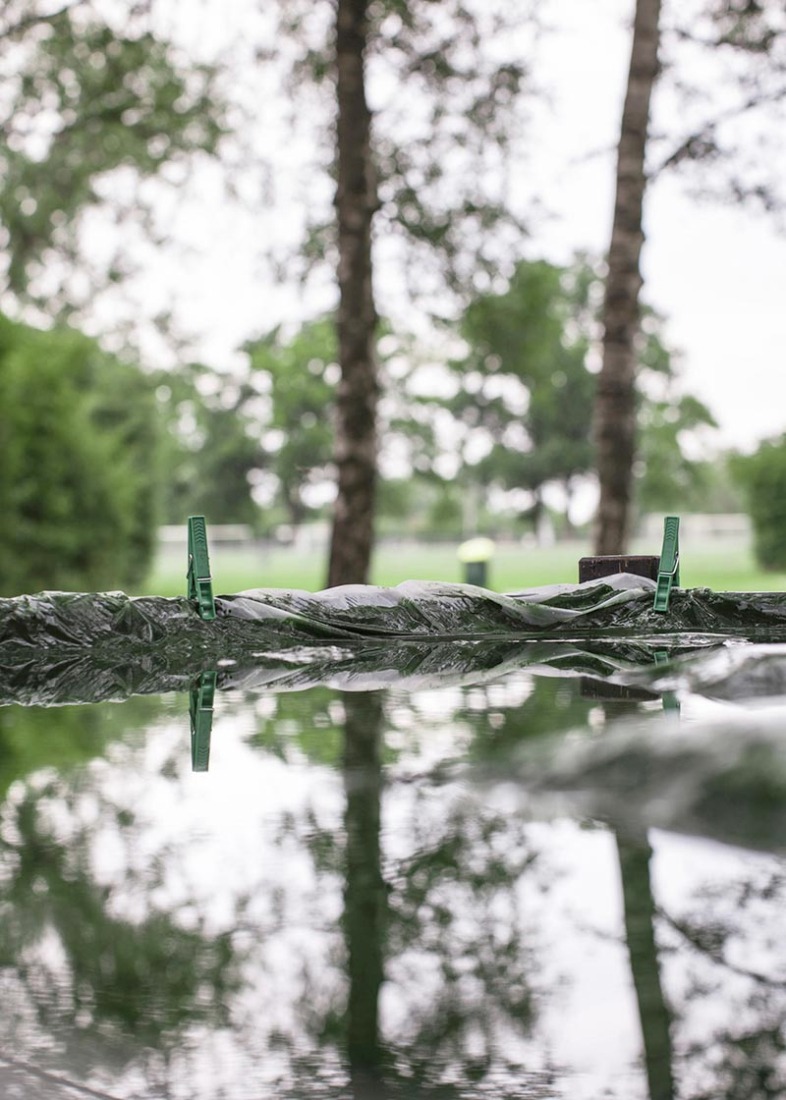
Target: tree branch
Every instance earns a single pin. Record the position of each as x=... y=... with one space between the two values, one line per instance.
x=701 y=141
x=695 y=941
x=35 y=19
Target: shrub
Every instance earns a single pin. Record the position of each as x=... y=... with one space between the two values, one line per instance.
x=763 y=477
x=78 y=454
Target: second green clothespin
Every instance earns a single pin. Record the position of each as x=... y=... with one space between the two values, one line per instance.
x=200 y=583
x=669 y=567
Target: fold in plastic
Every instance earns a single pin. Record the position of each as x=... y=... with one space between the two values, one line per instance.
x=81 y=647
x=618 y=606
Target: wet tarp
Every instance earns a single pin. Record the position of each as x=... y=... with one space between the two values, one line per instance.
x=48 y=678
x=619 y=606
x=82 y=647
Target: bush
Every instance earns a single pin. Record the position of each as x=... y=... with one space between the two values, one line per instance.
x=78 y=453
x=763 y=477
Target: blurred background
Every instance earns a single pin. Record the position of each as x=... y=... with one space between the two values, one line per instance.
x=172 y=292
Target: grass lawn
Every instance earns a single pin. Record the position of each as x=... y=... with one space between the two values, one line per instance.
x=723 y=565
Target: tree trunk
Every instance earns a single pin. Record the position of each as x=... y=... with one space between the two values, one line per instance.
x=615 y=402
x=355 y=449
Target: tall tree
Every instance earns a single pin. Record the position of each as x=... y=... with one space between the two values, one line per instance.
x=725 y=63
x=355 y=446
x=430 y=175
x=615 y=400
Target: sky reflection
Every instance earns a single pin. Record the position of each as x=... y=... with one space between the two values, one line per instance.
x=372 y=894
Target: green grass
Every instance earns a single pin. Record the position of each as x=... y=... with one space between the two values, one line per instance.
x=725 y=565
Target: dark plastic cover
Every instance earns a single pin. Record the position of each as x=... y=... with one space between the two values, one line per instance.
x=70 y=647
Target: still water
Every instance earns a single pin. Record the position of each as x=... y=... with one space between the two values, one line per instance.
x=530 y=886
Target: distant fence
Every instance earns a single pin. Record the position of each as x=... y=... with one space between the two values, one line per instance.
x=229 y=537
x=173 y=537
x=699 y=526
x=314 y=537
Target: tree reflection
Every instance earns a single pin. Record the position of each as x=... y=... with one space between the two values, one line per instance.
x=365 y=900
x=728 y=938
x=744 y=1054
x=81 y=974
x=550 y=705
x=386 y=932
x=116 y=977
x=639 y=910
x=453 y=904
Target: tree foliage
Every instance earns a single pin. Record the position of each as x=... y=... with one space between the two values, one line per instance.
x=211 y=444
x=78 y=451
x=763 y=477
x=94 y=102
x=449 y=110
x=525 y=388
x=525 y=393
x=725 y=73
x=299 y=378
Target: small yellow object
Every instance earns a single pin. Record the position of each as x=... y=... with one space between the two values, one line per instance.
x=480 y=549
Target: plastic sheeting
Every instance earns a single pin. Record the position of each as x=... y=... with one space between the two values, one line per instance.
x=619 y=606
x=80 y=647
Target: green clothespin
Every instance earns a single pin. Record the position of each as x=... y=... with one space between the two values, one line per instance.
x=200 y=584
x=200 y=707
x=669 y=568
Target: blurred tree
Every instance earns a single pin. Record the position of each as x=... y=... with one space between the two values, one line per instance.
x=615 y=399
x=298 y=377
x=665 y=475
x=355 y=425
x=254 y=444
x=94 y=102
x=763 y=478
x=524 y=402
x=525 y=383
x=262 y=426
x=724 y=65
x=450 y=79
x=212 y=444
x=672 y=470
x=79 y=453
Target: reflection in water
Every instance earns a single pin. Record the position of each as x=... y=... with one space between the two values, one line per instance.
x=374 y=894
x=639 y=908
x=365 y=908
x=200 y=705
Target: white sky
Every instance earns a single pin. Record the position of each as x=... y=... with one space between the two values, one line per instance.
x=717 y=274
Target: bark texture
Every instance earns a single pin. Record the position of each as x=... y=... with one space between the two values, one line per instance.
x=355 y=450
x=615 y=402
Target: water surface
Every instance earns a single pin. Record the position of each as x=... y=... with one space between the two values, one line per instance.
x=531 y=885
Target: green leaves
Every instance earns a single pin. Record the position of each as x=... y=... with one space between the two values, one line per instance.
x=524 y=381
x=763 y=477
x=78 y=450
x=88 y=111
